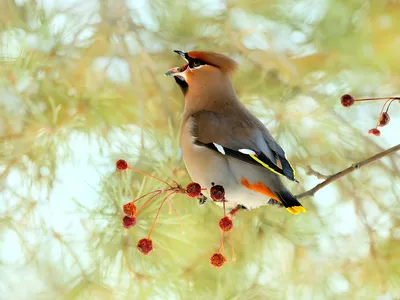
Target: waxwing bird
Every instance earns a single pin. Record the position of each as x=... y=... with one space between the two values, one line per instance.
x=222 y=142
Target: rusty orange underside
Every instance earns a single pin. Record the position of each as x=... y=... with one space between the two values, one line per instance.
x=259 y=187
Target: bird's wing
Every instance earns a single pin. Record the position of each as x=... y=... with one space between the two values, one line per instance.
x=242 y=137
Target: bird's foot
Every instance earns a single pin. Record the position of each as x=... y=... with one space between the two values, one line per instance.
x=202 y=199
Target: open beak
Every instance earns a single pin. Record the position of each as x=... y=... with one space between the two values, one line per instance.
x=173 y=72
x=178 y=71
x=181 y=53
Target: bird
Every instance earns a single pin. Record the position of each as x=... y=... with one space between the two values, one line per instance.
x=223 y=143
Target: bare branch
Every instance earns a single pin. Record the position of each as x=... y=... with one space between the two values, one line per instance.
x=350 y=169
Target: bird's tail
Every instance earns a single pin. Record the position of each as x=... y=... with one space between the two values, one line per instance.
x=290 y=202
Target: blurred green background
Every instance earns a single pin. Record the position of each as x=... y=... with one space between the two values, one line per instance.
x=82 y=85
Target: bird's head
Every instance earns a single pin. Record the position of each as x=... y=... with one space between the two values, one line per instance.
x=202 y=70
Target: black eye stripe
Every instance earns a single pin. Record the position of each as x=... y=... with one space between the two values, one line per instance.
x=195 y=62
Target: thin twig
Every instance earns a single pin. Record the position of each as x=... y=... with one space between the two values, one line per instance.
x=348 y=170
x=311 y=171
x=366 y=139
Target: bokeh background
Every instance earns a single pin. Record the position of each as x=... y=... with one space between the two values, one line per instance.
x=82 y=85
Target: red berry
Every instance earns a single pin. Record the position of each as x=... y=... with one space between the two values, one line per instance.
x=217 y=260
x=145 y=246
x=128 y=222
x=383 y=119
x=217 y=193
x=129 y=209
x=374 y=131
x=122 y=164
x=347 y=100
x=225 y=224
x=193 y=190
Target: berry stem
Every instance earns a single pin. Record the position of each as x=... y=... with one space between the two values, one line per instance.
x=221 y=243
x=390 y=103
x=149 y=175
x=158 y=213
x=223 y=204
x=234 y=211
x=379 y=98
x=383 y=107
x=148 y=201
x=145 y=195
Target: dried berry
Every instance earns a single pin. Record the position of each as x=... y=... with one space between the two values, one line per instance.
x=225 y=224
x=128 y=222
x=383 y=119
x=193 y=190
x=217 y=260
x=145 y=246
x=347 y=100
x=129 y=209
x=122 y=164
x=374 y=131
x=217 y=193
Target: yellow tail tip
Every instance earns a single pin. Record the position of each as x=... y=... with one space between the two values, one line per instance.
x=296 y=209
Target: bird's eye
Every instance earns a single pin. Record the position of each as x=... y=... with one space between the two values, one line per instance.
x=197 y=63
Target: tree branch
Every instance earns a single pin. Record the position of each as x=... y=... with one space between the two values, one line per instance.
x=350 y=169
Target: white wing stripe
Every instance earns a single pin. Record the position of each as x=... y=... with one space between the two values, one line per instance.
x=219 y=148
x=247 y=151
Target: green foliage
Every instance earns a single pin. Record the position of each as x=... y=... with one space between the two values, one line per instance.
x=82 y=85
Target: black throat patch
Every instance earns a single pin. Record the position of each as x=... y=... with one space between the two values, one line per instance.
x=182 y=84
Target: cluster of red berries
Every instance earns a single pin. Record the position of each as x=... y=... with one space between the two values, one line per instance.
x=192 y=190
x=383 y=119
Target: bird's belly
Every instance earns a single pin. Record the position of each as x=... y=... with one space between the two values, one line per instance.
x=207 y=168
